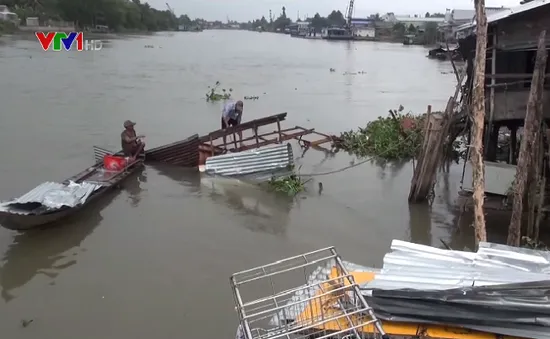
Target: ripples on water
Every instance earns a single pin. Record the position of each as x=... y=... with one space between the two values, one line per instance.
x=154 y=258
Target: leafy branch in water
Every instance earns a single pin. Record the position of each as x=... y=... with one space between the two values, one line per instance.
x=395 y=137
x=291 y=185
x=214 y=95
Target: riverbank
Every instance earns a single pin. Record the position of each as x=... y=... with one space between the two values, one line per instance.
x=24 y=30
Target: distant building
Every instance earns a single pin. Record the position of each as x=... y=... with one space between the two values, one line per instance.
x=6 y=15
x=363 y=29
x=457 y=17
x=32 y=22
x=299 y=29
x=416 y=21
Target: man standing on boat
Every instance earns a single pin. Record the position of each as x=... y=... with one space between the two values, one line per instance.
x=132 y=145
x=231 y=116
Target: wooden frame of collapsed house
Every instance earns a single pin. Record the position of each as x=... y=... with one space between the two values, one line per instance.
x=213 y=141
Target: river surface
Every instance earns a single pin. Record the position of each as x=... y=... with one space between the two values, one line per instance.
x=153 y=260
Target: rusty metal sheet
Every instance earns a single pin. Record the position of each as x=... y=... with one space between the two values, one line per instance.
x=182 y=153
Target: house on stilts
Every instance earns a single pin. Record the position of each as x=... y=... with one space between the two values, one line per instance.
x=512 y=39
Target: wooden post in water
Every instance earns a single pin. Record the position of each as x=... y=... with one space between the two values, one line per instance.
x=478 y=112
x=532 y=128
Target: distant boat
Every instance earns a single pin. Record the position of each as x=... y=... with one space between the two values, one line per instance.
x=336 y=34
x=183 y=28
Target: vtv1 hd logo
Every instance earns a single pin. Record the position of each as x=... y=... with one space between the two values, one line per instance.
x=62 y=40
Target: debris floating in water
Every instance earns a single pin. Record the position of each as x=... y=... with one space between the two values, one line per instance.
x=355 y=73
x=251 y=98
x=291 y=184
x=214 y=95
x=25 y=323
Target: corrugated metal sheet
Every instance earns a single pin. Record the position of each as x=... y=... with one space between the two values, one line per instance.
x=415 y=266
x=423 y=267
x=263 y=159
x=508 y=12
x=498 y=177
x=52 y=196
x=182 y=153
x=469 y=14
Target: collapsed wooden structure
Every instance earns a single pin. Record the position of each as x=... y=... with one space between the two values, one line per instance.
x=194 y=150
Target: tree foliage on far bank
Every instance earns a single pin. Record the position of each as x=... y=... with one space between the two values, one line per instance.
x=426 y=35
x=116 y=14
x=270 y=25
x=335 y=18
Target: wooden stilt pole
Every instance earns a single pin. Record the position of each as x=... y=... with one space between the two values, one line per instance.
x=478 y=112
x=532 y=128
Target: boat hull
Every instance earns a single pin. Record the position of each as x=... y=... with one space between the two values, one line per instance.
x=25 y=222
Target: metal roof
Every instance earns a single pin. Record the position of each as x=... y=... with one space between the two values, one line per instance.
x=52 y=196
x=469 y=14
x=263 y=159
x=423 y=267
x=418 y=19
x=506 y=13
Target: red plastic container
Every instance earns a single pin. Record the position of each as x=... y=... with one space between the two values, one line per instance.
x=114 y=163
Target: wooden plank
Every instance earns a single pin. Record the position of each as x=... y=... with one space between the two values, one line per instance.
x=244 y=126
x=273 y=141
x=513 y=76
x=260 y=136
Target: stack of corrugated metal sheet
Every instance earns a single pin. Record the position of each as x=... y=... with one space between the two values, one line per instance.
x=423 y=267
x=498 y=289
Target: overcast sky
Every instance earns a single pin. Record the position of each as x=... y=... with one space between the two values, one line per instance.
x=244 y=10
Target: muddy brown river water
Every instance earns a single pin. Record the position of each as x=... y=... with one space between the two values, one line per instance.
x=153 y=259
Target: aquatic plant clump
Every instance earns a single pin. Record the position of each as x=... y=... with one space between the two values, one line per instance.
x=291 y=185
x=396 y=137
x=214 y=95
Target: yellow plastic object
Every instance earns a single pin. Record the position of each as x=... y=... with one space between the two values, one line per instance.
x=323 y=309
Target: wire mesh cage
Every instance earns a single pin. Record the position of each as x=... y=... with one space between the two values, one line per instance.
x=303 y=297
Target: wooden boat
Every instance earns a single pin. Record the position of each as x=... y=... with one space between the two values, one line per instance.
x=33 y=214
